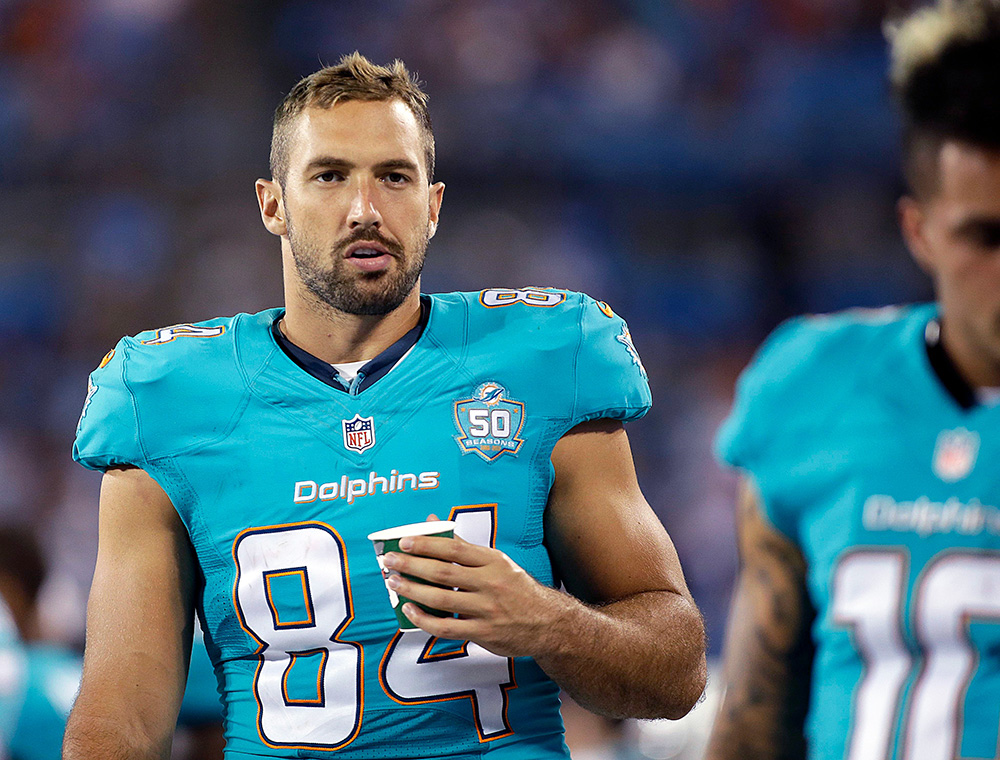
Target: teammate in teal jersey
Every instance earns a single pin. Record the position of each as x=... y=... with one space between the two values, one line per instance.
x=51 y=672
x=866 y=622
x=248 y=458
x=13 y=678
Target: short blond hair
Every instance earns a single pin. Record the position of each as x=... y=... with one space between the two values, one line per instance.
x=922 y=37
x=945 y=71
x=354 y=77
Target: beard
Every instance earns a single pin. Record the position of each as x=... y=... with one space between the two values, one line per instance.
x=332 y=280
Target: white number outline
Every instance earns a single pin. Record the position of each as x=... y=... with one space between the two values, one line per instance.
x=427 y=656
x=262 y=645
x=186 y=330
x=860 y=744
x=931 y=574
x=537 y=297
x=479 y=426
x=910 y=745
x=499 y=431
x=490 y=423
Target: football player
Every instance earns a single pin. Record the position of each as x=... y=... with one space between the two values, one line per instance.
x=51 y=672
x=866 y=621
x=13 y=678
x=248 y=458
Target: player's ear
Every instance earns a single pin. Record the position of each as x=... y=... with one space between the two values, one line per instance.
x=272 y=207
x=912 y=223
x=434 y=209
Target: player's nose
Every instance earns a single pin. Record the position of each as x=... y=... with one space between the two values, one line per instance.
x=363 y=211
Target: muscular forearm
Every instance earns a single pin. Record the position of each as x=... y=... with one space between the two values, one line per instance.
x=93 y=733
x=640 y=657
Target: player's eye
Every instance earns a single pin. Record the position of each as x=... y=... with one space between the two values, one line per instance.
x=329 y=176
x=396 y=178
x=991 y=237
x=986 y=236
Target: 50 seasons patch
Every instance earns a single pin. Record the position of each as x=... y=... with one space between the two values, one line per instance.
x=489 y=423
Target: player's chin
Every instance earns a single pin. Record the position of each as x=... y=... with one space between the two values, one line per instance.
x=375 y=304
x=379 y=281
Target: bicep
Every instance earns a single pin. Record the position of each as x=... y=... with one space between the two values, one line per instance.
x=604 y=539
x=140 y=611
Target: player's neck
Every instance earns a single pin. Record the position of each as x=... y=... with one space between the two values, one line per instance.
x=337 y=337
x=976 y=366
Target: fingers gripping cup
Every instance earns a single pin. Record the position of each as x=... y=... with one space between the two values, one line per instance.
x=386 y=541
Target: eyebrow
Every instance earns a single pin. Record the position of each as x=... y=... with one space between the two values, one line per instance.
x=397 y=163
x=328 y=162
x=332 y=162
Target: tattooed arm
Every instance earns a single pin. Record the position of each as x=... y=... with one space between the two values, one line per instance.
x=768 y=652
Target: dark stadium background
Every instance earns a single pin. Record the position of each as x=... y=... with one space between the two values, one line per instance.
x=708 y=167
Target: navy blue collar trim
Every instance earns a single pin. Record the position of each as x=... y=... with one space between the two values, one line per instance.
x=371 y=372
x=956 y=385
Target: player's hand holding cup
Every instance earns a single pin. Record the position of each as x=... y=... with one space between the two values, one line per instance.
x=386 y=541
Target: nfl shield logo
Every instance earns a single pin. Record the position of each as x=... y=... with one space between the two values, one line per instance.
x=359 y=433
x=955 y=454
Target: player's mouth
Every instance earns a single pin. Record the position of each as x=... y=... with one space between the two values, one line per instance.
x=368 y=256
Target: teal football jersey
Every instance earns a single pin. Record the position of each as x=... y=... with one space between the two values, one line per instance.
x=891 y=491
x=13 y=678
x=53 y=680
x=279 y=478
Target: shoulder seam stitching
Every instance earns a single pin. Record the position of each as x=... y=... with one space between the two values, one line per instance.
x=135 y=405
x=576 y=358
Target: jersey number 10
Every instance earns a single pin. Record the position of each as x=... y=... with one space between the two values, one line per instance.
x=309 y=682
x=954 y=589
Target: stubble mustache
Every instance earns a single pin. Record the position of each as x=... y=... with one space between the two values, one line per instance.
x=368 y=235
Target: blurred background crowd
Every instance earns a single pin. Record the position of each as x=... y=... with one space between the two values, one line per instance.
x=708 y=167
